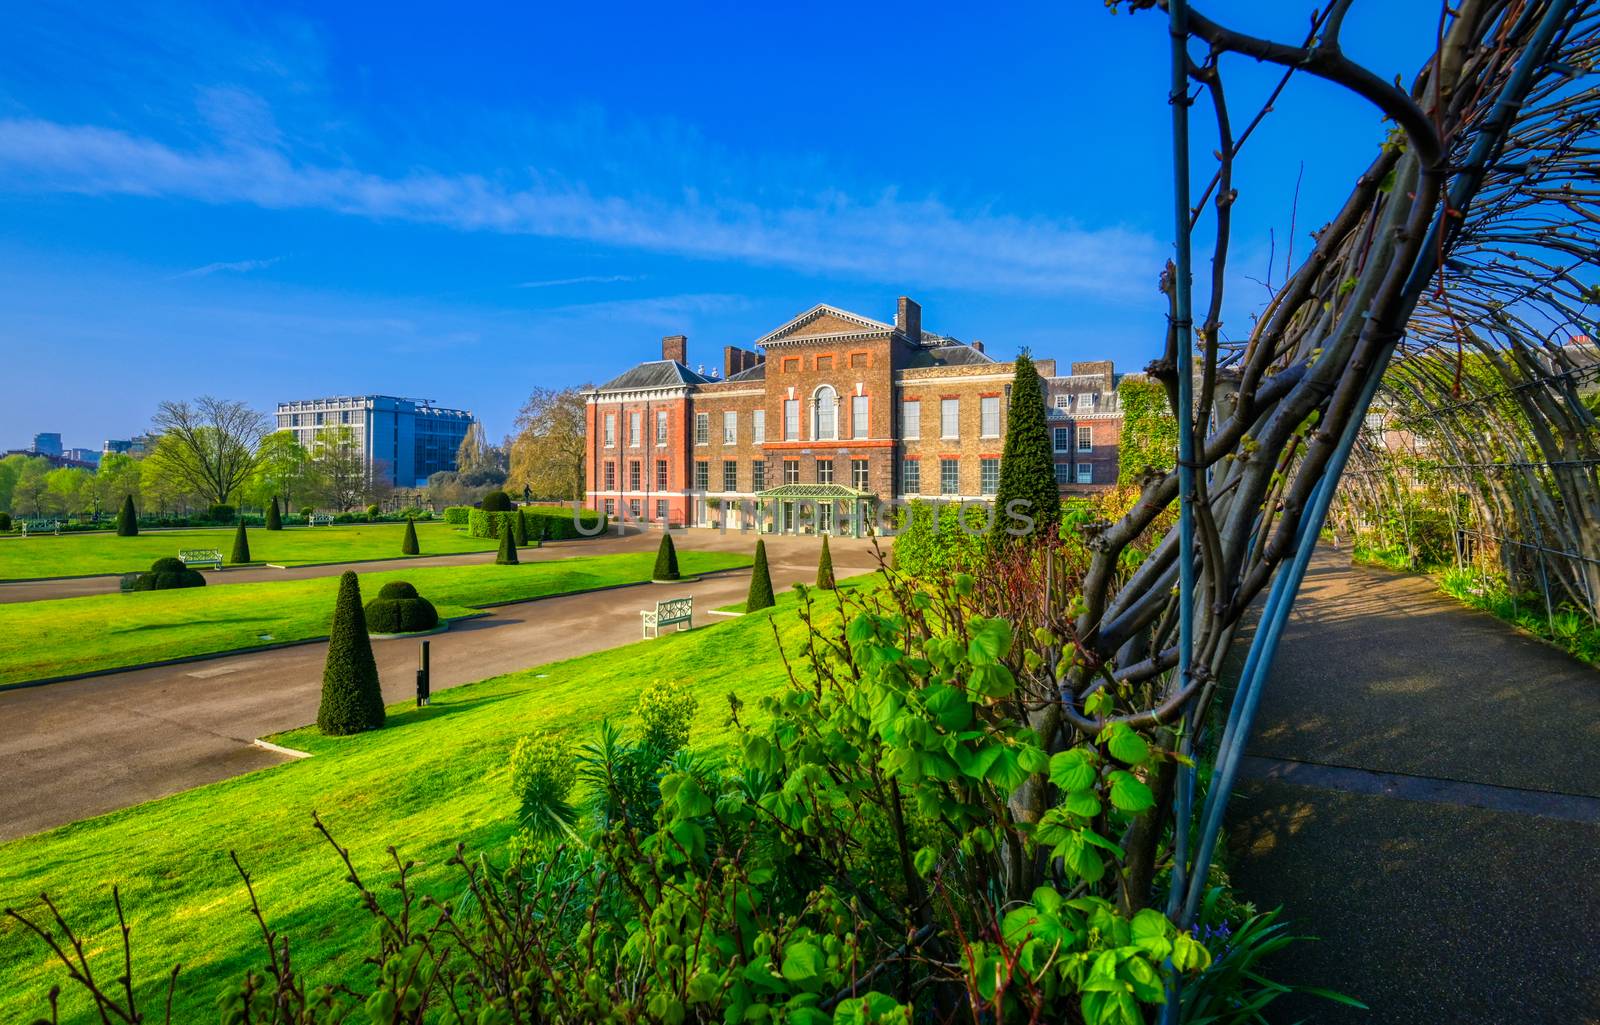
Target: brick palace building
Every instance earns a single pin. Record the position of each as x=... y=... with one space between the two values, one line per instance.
x=824 y=418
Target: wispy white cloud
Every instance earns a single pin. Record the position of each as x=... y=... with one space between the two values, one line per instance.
x=235 y=266
x=910 y=242
x=586 y=279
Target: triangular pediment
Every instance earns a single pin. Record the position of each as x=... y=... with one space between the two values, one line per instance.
x=824 y=321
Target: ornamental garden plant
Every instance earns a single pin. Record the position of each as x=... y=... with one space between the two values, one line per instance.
x=825 y=567
x=127 y=518
x=760 y=596
x=398 y=609
x=241 y=546
x=274 y=519
x=408 y=544
x=666 y=560
x=507 y=556
x=168 y=574
x=352 y=698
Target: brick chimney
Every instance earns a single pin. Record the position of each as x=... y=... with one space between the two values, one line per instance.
x=977 y=343
x=676 y=347
x=908 y=319
x=735 y=359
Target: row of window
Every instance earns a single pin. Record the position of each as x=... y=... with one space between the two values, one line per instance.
x=860 y=475
x=320 y=419
x=1061 y=438
x=824 y=421
x=1086 y=402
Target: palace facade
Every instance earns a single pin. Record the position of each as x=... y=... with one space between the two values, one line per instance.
x=824 y=418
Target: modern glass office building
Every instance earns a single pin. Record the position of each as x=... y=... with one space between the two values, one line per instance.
x=404 y=439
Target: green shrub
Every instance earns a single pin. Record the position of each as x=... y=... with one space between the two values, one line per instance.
x=373 y=512
x=496 y=501
x=666 y=560
x=508 y=550
x=543 y=769
x=221 y=514
x=306 y=511
x=1027 y=463
x=5 y=521
x=519 y=527
x=557 y=523
x=825 y=567
x=274 y=520
x=760 y=582
x=408 y=544
x=168 y=574
x=127 y=518
x=352 y=698
x=241 y=546
x=666 y=710
x=456 y=515
x=931 y=539
x=399 y=609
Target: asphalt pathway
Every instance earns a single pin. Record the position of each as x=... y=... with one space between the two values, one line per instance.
x=1422 y=792
x=84 y=747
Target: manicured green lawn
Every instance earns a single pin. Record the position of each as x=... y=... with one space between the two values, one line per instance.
x=431 y=778
x=77 y=635
x=73 y=555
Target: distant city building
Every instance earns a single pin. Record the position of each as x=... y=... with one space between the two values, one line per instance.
x=83 y=455
x=46 y=445
x=137 y=445
x=407 y=440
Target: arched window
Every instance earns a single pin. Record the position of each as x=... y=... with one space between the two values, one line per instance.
x=825 y=415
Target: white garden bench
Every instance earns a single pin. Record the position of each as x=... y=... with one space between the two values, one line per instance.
x=40 y=527
x=193 y=558
x=666 y=613
x=323 y=520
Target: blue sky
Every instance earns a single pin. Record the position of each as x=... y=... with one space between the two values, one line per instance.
x=463 y=203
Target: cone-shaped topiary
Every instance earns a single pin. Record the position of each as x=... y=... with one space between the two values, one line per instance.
x=825 y=567
x=127 y=519
x=352 y=699
x=1027 y=466
x=274 y=518
x=518 y=524
x=408 y=546
x=508 y=550
x=241 y=546
x=760 y=582
x=666 y=560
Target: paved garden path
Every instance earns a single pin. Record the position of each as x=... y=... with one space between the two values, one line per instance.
x=1423 y=794
x=83 y=747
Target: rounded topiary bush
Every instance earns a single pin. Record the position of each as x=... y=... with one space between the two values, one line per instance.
x=373 y=511
x=168 y=574
x=399 y=609
x=496 y=501
x=306 y=511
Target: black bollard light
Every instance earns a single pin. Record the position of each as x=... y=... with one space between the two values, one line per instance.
x=422 y=678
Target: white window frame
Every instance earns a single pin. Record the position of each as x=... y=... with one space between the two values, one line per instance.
x=911 y=419
x=635 y=425
x=611 y=430
x=1061 y=439
x=1063 y=473
x=730 y=427
x=1085 y=473
x=860 y=474
x=984 y=466
x=945 y=419
x=1087 y=402
x=859 y=416
x=661 y=428
x=758 y=475
x=730 y=468
x=909 y=479
x=821 y=473
x=702 y=474
x=758 y=426
x=986 y=405
x=791 y=467
x=791 y=419
x=829 y=430
x=946 y=489
x=1085 y=438
x=702 y=428
x=1064 y=401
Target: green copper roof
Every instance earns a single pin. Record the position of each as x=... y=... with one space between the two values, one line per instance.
x=834 y=491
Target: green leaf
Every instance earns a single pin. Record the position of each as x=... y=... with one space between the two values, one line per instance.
x=1032 y=759
x=1073 y=769
x=802 y=961
x=1083 y=803
x=1129 y=794
x=991 y=641
x=924 y=860
x=992 y=680
x=948 y=705
x=1125 y=745
x=1152 y=933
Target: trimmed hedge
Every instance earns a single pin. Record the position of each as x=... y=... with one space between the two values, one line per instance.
x=5 y=521
x=496 y=501
x=456 y=515
x=222 y=514
x=399 y=609
x=127 y=519
x=168 y=574
x=352 y=698
x=555 y=522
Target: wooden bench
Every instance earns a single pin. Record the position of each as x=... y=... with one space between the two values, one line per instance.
x=323 y=520
x=196 y=557
x=666 y=613
x=40 y=527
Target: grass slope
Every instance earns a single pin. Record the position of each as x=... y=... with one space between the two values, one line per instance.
x=72 y=555
x=432 y=777
x=78 y=635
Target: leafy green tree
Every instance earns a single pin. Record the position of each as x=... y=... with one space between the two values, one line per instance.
x=352 y=698
x=408 y=546
x=825 y=567
x=70 y=489
x=274 y=519
x=666 y=560
x=283 y=469
x=33 y=486
x=10 y=466
x=117 y=477
x=1149 y=430
x=760 y=596
x=127 y=519
x=213 y=445
x=508 y=549
x=241 y=546
x=1027 y=503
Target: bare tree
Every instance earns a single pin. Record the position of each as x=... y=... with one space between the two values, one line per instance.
x=213 y=445
x=547 y=452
